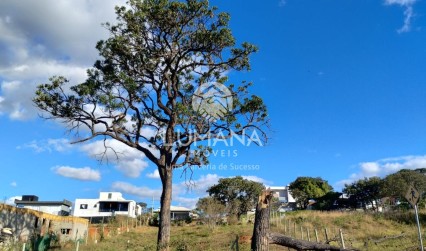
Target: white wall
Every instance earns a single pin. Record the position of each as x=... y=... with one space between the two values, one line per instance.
x=92 y=208
x=115 y=196
x=56 y=210
x=90 y=211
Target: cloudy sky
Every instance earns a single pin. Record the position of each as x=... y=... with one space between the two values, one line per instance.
x=344 y=82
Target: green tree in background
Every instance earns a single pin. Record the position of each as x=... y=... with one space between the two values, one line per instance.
x=396 y=185
x=366 y=191
x=237 y=194
x=210 y=210
x=140 y=93
x=305 y=188
x=330 y=201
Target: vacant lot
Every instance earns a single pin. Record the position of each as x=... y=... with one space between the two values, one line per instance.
x=361 y=230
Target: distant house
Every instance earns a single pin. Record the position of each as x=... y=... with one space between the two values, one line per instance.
x=282 y=193
x=62 y=208
x=108 y=204
x=178 y=213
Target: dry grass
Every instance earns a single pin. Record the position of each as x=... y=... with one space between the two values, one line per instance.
x=360 y=230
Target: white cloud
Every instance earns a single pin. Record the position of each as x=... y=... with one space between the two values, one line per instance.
x=400 y=2
x=154 y=175
x=49 y=145
x=11 y=200
x=186 y=202
x=282 y=3
x=142 y=192
x=13 y=184
x=408 y=12
x=126 y=159
x=257 y=179
x=198 y=186
x=33 y=48
x=384 y=167
x=84 y=174
x=184 y=193
x=204 y=182
x=32 y=145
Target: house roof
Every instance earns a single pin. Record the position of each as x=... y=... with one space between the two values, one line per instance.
x=44 y=203
x=176 y=209
x=278 y=188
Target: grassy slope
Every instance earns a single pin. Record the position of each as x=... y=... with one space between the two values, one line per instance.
x=359 y=230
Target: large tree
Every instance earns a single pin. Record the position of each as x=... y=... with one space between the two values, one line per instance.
x=210 y=210
x=239 y=195
x=159 y=56
x=305 y=188
x=366 y=191
x=397 y=184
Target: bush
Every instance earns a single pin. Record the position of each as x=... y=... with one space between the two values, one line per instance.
x=188 y=220
x=154 y=220
x=232 y=219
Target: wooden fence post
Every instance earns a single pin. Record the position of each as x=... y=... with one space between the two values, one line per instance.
x=294 y=229
x=341 y=239
x=326 y=235
x=309 y=237
x=316 y=235
x=285 y=226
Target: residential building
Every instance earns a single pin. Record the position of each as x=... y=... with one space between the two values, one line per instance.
x=25 y=223
x=282 y=193
x=108 y=204
x=62 y=208
x=178 y=213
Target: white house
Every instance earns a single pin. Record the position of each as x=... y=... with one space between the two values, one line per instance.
x=108 y=204
x=178 y=213
x=62 y=208
x=283 y=194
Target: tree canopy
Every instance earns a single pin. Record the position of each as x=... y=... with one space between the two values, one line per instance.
x=239 y=195
x=210 y=210
x=366 y=191
x=154 y=89
x=305 y=188
x=397 y=184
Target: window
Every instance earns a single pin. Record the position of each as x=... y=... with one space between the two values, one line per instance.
x=65 y=231
x=83 y=206
x=109 y=195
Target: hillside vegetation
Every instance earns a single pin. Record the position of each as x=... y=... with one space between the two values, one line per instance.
x=361 y=230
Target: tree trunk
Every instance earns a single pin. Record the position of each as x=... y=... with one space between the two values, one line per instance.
x=282 y=240
x=260 y=240
x=163 y=240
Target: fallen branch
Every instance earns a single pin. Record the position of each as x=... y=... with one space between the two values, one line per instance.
x=331 y=240
x=282 y=240
x=386 y=238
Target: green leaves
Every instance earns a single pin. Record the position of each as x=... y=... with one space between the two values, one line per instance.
x=236 y=193
x=305 y=188
x=366 y=191
x=157 y=55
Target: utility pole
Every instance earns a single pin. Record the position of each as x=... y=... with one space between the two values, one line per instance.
x=152 y=208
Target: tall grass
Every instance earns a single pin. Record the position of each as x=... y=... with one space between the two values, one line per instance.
x=361 y=230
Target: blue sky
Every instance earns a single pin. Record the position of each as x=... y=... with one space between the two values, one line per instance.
x=344 y=82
